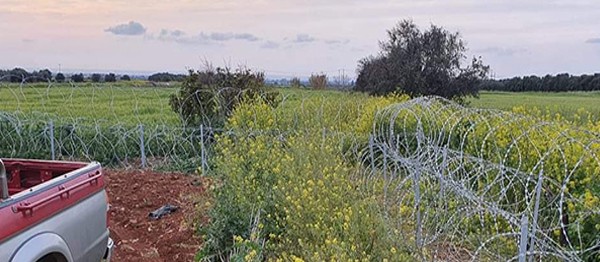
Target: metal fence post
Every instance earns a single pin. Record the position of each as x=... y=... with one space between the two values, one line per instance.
x=51 y=134
x=523 y=238
x=536 y=210
x=372 y=154
x=142 y=146
x=418 y=226
x=202 y=152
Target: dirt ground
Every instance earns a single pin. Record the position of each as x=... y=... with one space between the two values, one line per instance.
x=135 y=193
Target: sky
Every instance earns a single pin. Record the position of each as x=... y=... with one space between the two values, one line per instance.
x=289 y=37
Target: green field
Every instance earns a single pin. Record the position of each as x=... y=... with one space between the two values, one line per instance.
x=567 y=104
x=109 y=103
x=140 y=102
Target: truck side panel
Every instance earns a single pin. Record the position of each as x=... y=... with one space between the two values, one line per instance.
x=82 y=227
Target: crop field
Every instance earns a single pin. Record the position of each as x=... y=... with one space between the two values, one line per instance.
x=565 y=103
x=108 y=104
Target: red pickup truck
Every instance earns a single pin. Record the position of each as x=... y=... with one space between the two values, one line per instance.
x=53 y=211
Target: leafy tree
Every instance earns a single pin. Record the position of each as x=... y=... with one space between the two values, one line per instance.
x=421 y=63
x=43 y=75
x=166 y=77
x=59 y=77
x=125 y=78
x=318 y=81
x=18 y=75
x=96 y=78
x=77 y=78
x=110 y=78
x=208 y=97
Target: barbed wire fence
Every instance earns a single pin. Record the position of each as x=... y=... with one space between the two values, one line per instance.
x=473 y=197
x=469 y=184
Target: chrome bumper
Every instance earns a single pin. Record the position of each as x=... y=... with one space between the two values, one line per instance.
x=109 y=249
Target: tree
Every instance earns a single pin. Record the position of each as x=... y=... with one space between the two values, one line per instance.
x=166 y=77
x=77 y=78
x=125 y=78
x=59 y=77
x=318 y=81
x=110 y=78
x=96 y=78
x=43 y=75
x=421 y=63
x=18 y=75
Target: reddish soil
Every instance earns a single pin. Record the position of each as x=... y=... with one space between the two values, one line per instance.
x=135 y=193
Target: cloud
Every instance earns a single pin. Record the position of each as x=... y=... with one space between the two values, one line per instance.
x=303 y=38
x=246 y=36
x=202 y=38
x=217 y=36
x=171 y=33
x=270 y=45
x=131 y=28
x=593 y=41
x=500 y=51
x=336 y=42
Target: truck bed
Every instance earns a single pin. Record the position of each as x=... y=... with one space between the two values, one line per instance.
x=59 y=200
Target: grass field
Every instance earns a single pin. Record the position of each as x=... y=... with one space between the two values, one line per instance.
x=567 y=104
x=127 y=104
x=140 y=102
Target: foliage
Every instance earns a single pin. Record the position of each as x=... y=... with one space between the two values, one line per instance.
x=548 y=83
x=515 y=147
x=317 y=81
x=287 y=165
x=208 y=97
x=96 y=78
x=77 y=78
x=59 y=77
x=111 y=77
x=20 y=75
x=421 y=63
x=166 y=77
x=125 y=78
x=296 y=83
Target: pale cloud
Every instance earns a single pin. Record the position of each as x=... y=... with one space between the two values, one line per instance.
x=337 y=42
x=303 y=38
x=270 y=45
x=202 y=38
x=131 y=28
x=593 y=41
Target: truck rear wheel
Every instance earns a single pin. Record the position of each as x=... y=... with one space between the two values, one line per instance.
x=53 y=257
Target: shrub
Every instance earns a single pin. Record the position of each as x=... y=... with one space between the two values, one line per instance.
x=318 y=81
x=208 y=97
x=295 y=82
x=287 y=188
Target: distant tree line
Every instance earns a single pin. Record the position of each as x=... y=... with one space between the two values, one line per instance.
x=548 y=83
x=20 y=75
x=166 y=77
